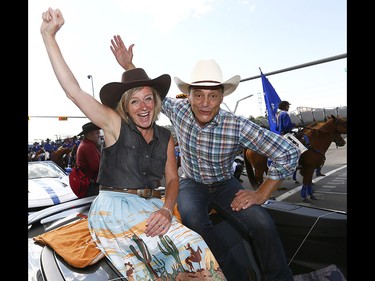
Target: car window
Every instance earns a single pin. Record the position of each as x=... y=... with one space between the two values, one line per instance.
x=44 y=170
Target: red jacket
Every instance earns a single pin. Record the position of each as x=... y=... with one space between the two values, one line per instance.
x=88 y=158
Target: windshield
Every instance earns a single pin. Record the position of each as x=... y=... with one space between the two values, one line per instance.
x=43 y=169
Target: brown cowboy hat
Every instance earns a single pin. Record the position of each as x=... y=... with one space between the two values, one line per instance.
x=111 y=93
x=88 y=127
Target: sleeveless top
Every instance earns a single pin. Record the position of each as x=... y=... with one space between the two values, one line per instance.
x=133 y=163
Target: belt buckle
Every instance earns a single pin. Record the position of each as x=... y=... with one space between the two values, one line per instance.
x=145 y=193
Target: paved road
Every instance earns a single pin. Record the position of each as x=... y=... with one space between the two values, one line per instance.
x=330 y=190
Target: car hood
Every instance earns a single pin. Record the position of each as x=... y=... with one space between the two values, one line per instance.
x=49 y=192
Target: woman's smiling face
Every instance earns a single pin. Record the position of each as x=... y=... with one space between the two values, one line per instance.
x=141 y=107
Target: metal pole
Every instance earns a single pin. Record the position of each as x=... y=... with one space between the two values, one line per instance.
x=329 y=59
x=235 y=109
x=92 y=84
x=227 y=107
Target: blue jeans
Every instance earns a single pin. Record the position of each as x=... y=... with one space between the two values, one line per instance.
x=195 y=200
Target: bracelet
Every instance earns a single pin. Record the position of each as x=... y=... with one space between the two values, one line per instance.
x=165 y=208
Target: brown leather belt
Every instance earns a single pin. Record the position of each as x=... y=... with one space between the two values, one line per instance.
x=142 y=192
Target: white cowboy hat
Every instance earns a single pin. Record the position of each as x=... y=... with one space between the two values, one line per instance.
x=207 y=73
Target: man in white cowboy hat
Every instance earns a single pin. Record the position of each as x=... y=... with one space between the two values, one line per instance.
x=210 y=138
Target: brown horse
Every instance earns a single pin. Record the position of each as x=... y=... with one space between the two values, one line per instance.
x=316 y=138
x=337 y=139
x=61 y=157
x=37 y=156
x=259 y=162
x=256 y=167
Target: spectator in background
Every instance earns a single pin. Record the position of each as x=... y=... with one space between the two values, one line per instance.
x=36 y=147
x=66 y=143
x=284 y=124
x=88 y=155
x=48 y=148
x=37 y=152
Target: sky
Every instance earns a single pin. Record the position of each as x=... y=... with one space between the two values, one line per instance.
x=170 y=36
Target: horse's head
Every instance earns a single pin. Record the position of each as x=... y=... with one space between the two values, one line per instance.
x=341 y=125
x=336 y=124
x=338 y=140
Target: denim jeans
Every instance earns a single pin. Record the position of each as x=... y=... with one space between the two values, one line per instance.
x=195 y=200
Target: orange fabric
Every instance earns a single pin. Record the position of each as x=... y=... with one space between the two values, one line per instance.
x=73 y=243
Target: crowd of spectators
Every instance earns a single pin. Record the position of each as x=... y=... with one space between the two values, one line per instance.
x=50 y=145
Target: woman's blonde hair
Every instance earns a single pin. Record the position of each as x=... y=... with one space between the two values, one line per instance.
x=123 y=105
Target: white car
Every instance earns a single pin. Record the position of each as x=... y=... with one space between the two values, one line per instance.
x=315 y=241
x=48 y=185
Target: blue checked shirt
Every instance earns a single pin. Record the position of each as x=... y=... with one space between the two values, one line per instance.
x=208 y=153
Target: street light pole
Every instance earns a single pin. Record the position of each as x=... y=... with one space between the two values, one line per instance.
x=92 y=84
x=235 y=109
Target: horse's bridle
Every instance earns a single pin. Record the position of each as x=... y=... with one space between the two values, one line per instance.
x=309 y=146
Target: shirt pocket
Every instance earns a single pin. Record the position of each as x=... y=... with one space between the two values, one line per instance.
x=157 y=163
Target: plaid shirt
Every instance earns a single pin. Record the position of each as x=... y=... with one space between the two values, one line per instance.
x=208 y=153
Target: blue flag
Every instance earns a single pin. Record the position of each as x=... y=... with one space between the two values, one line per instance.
x=272 y=101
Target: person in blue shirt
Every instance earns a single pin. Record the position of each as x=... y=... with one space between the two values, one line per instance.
x=284 y=123
x=48 y=148
x=36 y=147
